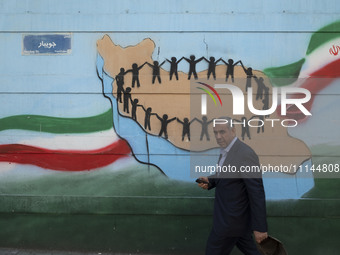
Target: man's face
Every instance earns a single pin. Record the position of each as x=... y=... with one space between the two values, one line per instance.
x=223 y=134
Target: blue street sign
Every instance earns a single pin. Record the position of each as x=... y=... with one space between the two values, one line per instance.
x=46 y=44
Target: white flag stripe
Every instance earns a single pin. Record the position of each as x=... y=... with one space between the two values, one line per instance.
x=86 y=141
x=319 y=58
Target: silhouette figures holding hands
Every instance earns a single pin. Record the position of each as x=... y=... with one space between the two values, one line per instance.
x=127 y=98
x=265 y=101
x=120 y=84
x=134 y=104
x=249 y=73
x=204 y=122
x=174 y=67
x=212 y=66
x=148 y=114
x=230 y=69
x=260 y=87
x=186 y=127
x=135 y=74
x=245 y=126
x=156 y=67
x=261 y=122
x=192 y=66
x=164 y=125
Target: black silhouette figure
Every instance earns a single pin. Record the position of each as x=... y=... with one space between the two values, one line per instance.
x=164 y=127
x=127 y=98
x=204 y=122
x=120 y=84
x=148 y=114
x=135 y=74
x=174 y=67
x=134 y=104
x=186 y=127
x=155 y=71
x=260 y=87
x=212 y=66
x=192 y=68
x=265 y=101
x=245 y=127
x=230 y=68
x=249 y=73
x=261 y=122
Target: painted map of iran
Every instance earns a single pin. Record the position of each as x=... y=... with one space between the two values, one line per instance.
x=180 y=99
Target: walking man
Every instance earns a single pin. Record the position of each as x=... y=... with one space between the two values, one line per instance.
x=239 y=208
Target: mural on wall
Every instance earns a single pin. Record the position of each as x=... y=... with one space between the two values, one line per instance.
x=150 y=127
x=156 y=113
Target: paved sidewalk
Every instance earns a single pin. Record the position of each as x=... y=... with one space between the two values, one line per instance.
x=13 y=251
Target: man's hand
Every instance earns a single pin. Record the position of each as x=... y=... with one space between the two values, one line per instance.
x=204 y=185
x=260 y=236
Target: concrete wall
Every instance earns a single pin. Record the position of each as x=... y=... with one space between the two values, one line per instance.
x=81 y=173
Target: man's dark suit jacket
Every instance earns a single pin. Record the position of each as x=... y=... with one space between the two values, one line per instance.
x=240 y=205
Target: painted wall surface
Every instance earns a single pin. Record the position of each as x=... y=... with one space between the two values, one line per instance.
x=94 y=130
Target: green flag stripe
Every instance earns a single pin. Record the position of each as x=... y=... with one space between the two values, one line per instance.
x=323 y=35
x=284 y=75
x=56 y=125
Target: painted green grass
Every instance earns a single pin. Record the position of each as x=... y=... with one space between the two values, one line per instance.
x=135 y=180
x=326 y=188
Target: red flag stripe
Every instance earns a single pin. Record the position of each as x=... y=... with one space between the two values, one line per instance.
x=317 y=81
x=64 y=160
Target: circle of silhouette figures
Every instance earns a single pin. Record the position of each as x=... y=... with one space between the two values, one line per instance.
x=230 y=68
x=260 y=87
x=192 y=66
x=205 y=123
x=135 y=74
x=127 y=98
x=174 y=67
x=186 y=127
x=164 y=125
x=156 y=70
x=212 y=66
x=249 y=73
x=148 y=114
x=120 y=84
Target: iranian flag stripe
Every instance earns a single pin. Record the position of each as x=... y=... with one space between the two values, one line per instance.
x=81 y=141
x=58 y=125
x=323 y=48
x=319 y=68
x=319 y=80
x=324 y=35
x=64 y=160
x=66 y=144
